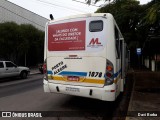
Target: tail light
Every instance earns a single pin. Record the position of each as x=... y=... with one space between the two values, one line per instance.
x=109 y=73
x=45 y=70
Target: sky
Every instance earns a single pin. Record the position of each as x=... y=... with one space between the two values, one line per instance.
x=59 y=8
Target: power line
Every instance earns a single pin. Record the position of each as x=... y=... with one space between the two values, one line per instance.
x=85 y=3
x=51 y=5
x=62 y=6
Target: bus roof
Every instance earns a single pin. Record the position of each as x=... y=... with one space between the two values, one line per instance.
x=83 y=16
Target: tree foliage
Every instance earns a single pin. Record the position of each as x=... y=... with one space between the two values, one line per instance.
x=139 y=24
x=126 y=14
x=18 y=41
x=152 y=12
x=135 y=20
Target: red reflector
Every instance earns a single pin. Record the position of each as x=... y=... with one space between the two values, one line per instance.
x=109 y=75
x=44 y=68
x=112 y=90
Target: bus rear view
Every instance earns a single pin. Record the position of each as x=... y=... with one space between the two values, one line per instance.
x=80 y=57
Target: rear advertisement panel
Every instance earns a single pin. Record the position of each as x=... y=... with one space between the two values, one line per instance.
x=67 y=36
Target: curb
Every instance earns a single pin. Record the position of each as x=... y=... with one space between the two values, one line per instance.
x=131 y=99
x=33 y=73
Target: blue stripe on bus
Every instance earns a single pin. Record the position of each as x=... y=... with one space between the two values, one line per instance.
x=69 y=73
x=116 y=74
x=49 y=72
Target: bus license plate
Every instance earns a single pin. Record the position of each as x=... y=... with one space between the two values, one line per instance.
x=72 y=89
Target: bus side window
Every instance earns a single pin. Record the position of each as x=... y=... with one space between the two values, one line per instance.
x=117 y=42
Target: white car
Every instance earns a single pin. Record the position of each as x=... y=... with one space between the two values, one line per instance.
x=9 y=69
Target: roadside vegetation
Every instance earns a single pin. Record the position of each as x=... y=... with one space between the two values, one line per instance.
x=135 y=21
x=139 y=24
x=22 y=44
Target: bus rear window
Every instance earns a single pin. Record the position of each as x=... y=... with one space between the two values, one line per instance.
x=96 y=26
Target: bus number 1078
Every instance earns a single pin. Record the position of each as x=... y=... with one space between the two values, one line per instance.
x=95 y=74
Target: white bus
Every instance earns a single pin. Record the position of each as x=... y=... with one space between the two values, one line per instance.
x=85 y=55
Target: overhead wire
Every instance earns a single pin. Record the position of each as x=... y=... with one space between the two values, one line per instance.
x=50 y=5
x=85 y=3
x=61 y=6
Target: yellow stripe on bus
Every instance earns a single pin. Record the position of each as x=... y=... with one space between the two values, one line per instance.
x=82 y=79
x=117 y=79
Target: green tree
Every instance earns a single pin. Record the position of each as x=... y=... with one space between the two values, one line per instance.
x=139 y=24
x=31 y=44
x=152 y=12
x=8 y=39
x=151 y=22
x=126 y=14
x=135 y=20
x=21 y=42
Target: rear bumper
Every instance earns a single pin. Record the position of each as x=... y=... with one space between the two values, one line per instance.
x=104 y=93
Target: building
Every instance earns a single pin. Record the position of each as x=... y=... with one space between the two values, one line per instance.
x=10 y=12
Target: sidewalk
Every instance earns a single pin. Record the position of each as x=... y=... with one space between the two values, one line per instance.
x=145 y=97
x=34 y=71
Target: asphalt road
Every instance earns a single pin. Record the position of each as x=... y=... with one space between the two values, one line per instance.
x=28 y=95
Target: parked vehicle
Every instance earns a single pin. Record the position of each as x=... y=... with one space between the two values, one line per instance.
x=9 y=69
